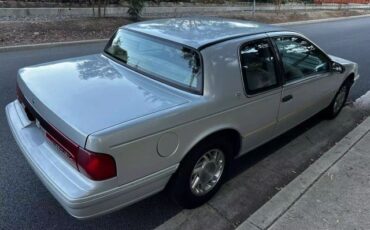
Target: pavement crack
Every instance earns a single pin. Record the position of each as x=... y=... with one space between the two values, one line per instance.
x=309 y=140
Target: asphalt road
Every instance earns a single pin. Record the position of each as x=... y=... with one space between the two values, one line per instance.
x=348 y=39
x=25 y=203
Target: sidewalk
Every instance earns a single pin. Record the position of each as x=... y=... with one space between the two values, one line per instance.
x=333 y=193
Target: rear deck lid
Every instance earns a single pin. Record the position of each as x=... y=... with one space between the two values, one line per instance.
x=83 y=95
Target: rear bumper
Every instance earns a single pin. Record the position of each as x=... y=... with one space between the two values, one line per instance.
x=80 y=196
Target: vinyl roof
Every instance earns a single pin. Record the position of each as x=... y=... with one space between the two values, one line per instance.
x=200 y=31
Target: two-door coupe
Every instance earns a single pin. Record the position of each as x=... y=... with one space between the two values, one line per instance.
x=169 y=103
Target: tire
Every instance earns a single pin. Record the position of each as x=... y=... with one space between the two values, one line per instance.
x=180 y=187
x=338 y=101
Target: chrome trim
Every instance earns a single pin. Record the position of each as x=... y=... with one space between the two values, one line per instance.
x=309 y=78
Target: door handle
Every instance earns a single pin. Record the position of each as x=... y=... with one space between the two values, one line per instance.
x=287 y=98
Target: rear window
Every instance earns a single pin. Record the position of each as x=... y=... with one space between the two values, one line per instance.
x=168 y=62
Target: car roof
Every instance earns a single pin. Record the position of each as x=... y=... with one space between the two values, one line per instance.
x=198 y=32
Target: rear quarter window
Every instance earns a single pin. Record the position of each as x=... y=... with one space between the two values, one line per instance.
x=258 y=66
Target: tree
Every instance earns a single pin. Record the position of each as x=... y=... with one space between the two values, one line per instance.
x=135 y=7
x=277 y=4
x=99 y=6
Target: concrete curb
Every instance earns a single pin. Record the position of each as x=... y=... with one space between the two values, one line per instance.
x=49 y=45
x=321 y=20
x=271 y=211
x=56 y=44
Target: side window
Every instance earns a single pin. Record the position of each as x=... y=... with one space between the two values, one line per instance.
x=300 y=57
x=258 y=66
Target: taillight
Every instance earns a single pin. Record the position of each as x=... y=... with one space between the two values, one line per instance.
x=65 y=145
x=97 y=166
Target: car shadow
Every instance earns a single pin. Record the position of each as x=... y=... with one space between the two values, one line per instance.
x=253 y=157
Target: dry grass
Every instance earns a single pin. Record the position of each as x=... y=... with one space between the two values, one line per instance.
x=276 y=17
x=32 y=32
x=22 y=32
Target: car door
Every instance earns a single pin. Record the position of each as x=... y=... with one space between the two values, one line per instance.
x=262 y=84
x=307 y=79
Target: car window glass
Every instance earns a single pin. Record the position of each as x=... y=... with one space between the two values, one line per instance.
x=258 y=66
x=300 y=58
x=175 y=64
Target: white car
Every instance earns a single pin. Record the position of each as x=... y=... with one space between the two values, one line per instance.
x=169 y=103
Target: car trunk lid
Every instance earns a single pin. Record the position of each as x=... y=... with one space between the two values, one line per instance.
x=83 y=95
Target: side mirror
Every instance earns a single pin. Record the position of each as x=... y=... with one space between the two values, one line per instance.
x=336 y=67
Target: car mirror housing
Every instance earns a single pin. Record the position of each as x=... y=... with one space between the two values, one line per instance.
x=336 y=67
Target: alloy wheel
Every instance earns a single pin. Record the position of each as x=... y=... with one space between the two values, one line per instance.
x=207 y=172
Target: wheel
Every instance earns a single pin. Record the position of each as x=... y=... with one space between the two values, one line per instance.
x=201 y=173
x=338 y=102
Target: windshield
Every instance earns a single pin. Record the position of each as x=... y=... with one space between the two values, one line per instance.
x=165 y=61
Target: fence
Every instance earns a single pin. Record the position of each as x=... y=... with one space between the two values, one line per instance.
x=342 y=1
x=163 y=11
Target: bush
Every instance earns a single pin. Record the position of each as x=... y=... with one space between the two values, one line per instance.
x=135 y=7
